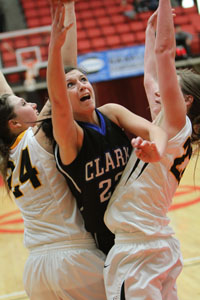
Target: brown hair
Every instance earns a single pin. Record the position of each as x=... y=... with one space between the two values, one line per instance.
x=190 y=85
x=6 y=138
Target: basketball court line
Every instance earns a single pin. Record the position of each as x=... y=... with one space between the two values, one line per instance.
x=16 y=295
x=191 y=261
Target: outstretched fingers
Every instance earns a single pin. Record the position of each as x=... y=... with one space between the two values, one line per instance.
x=59 y=18
x=53 y=6
x=136 y=142
x=145 y=150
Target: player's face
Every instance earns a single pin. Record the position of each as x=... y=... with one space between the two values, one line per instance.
x=80 y=93
x=26 y=112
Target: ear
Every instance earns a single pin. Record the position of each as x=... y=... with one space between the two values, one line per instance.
x=13 y=124
x=189 y=100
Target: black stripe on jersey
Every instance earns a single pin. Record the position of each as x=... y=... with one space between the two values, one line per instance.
x=144 y=167
x=59 y=167
x=122 y=295
x=134 y=167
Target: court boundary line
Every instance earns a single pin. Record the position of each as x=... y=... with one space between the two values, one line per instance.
x=15 y=294
x=191 y=261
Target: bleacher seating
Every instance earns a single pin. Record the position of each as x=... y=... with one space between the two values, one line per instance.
x=101 y=25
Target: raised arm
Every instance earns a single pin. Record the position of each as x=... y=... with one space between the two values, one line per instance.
x=151 y=140
x=4 y=86
x=64 y=127
x=69 y=48
x=172 y=98
x=150 y=72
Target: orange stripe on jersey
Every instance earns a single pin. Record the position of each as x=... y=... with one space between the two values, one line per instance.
x=20 y=136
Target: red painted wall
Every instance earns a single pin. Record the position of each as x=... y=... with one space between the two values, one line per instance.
x=128 y=92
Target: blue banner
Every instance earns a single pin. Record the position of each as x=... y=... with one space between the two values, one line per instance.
x=113 y=64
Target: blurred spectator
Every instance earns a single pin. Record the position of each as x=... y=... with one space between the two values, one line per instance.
x=129 y=13
x=183 y=43
x=176 y=3
x=2 y=20
x=139 y=6
x=152 y=4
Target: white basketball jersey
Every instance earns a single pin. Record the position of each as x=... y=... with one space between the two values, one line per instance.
x=144 y=194
x=48 y=208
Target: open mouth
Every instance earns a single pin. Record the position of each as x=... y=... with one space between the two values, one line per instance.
x=84 y=98
x=157 y=102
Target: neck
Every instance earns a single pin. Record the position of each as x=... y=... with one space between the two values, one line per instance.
x=92 y=118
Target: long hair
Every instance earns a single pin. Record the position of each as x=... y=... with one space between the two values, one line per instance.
x=6 y=137
x=46 y=126
x=190 y=85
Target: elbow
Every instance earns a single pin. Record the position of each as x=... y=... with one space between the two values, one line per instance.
x=147 y=82
x=161 y=49
x=164 y=53
x=167 y=48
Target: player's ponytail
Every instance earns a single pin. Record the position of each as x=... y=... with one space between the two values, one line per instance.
x=6 y=138
x=46 y=126
x=190 y=85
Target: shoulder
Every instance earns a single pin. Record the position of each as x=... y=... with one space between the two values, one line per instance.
x=42 y=140
x=111 y=111
x=183 y=134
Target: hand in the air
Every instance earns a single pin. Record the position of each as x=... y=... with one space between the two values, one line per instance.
x=59 y=31
x=145 y=150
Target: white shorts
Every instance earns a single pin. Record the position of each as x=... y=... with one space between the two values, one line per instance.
x=71 y=271
x=142 y=269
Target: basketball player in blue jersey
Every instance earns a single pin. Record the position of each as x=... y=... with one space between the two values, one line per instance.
x=92 y=151
x=146 y=259
x=64 y=262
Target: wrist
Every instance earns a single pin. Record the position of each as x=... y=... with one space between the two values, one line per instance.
x=69 y=5
x=150 y=29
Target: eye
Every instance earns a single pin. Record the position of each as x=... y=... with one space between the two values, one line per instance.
x=70 y=84
x=23 y=103
x=83 y=79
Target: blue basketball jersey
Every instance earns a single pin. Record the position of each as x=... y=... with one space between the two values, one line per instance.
x=94 y=174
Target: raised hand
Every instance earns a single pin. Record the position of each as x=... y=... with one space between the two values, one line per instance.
x=145 y=150
x=59 y=31
x=153 y=18
x=54 y=4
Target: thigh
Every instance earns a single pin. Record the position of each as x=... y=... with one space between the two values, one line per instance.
x=65 y=274
x=169 y=290
x=139 y=270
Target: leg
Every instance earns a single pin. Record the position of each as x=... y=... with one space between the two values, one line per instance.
x=169 y=290
x=65 y=274
x=140 y=270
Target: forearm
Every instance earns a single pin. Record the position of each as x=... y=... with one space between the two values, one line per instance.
x=149 y=55
x=159 y=137
x=55 y=69
x=165 y=36
x=69 y=49
x=62 y=116
x=150 y=70
x=55 y=75
x=4 y=86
